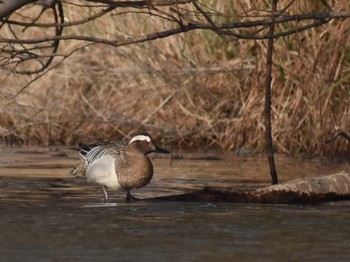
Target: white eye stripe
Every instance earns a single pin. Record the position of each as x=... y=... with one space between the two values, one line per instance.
x=140 y=138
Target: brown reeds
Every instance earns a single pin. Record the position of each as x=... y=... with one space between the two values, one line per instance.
x=196 y=89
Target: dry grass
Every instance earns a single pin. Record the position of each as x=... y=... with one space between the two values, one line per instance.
x=195 y=89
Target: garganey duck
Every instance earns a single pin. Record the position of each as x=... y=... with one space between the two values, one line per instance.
x=118 y=165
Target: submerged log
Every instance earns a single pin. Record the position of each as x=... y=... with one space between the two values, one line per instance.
x=301 y=191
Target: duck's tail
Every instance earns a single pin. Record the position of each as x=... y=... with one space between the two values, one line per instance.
x=79 y=170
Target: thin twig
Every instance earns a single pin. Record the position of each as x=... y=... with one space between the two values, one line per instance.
x=165 y=101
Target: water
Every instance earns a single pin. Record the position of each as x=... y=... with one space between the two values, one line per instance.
x=174 y=232
x=48 y=216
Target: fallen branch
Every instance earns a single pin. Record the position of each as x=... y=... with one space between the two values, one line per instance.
x=311 y=190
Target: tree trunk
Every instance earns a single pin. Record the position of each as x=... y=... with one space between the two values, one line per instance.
x=267 y=114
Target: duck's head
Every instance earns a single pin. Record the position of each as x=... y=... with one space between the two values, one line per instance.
x=143 y=142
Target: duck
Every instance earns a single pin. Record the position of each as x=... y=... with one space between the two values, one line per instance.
x=118 y=165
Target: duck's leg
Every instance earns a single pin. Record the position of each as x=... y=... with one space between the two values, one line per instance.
x=106 y=194
x=129 y=197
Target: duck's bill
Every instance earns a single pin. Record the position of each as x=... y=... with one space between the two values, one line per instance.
x=160 y=150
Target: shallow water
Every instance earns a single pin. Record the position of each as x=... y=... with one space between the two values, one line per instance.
x=46 y=215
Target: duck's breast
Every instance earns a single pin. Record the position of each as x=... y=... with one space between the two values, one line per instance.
x=134 y=171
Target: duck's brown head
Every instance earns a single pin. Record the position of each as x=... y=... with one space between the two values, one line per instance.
x=144 y=143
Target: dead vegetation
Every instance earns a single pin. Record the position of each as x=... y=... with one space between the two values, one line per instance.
x=196 y=89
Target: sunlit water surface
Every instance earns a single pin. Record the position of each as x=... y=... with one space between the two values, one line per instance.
x=46 y=215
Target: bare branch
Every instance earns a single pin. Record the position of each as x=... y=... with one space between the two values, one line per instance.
x=140 y=4
x=321 y=18
x=59 y=18
x=62 y=23
x=338 y=133
x=179 y=18
x=7 y=7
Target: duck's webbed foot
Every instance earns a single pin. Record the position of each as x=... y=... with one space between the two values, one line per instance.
x=129 y=197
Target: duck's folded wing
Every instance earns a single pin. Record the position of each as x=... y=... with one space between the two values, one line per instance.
x=95 y=153
x=86 y=148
